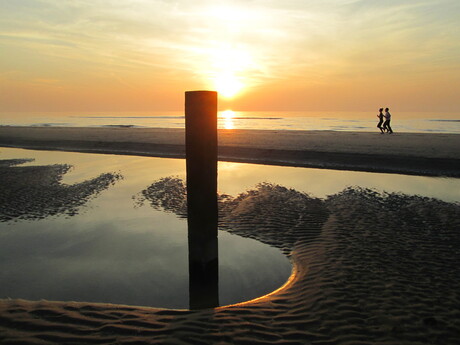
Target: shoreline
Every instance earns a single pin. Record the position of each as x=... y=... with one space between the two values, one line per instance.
x=401 y=153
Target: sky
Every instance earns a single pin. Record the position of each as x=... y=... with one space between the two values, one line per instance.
x=299 y=55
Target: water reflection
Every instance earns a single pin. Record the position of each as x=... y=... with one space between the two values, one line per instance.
x=270 y=213
x=115 y=253
x=228 y=118
x=35 y=192
x=234 y=177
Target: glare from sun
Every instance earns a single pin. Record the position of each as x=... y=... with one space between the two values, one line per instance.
x=227 y=85
x=229 y=65
x=229 y=68
x=228 y=116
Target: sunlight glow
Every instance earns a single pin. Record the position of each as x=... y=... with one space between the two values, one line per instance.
x=226 y=62
x=228 y=116
x=233 y=18
x=227 y=85
x=229 y=13
x=229 y=65
x=262 y=55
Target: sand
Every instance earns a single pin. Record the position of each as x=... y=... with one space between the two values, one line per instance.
x=406 y=153
x=368 y=268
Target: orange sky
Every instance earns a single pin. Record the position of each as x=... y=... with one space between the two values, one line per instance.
x=141 y=55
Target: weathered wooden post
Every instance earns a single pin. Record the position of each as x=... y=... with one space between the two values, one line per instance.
x=201 y=161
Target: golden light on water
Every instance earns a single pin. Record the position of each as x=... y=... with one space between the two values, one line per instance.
x=228 y=116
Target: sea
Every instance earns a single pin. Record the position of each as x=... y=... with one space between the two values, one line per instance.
x=415 y=122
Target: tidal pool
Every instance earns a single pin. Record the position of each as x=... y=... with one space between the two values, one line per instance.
x=113 y=248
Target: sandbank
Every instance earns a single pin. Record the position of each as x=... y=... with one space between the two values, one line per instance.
x=407 y=153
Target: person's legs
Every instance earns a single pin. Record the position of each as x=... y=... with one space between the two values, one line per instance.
x=389 y=127
x=385 y=125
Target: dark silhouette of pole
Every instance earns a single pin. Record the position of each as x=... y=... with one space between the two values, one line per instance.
x=201 y=161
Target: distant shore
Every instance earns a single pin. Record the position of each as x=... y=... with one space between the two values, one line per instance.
x=405 y=153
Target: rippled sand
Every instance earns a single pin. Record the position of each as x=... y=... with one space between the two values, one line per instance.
x=35 y=192
x=369 y=268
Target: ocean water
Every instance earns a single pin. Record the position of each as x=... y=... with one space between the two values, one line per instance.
x=427 y=122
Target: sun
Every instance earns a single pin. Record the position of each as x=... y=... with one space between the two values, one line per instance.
x=227 y=85
x=229 y=68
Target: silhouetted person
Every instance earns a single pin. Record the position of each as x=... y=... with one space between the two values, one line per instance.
x=386 y=124
x=380 y=116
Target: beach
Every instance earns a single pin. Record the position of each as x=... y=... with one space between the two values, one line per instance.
x=407 y=153
x=368 y=267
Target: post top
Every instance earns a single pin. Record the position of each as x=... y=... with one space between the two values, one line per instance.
x=200 y=91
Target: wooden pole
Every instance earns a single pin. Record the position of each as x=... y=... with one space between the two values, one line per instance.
x=201 y=161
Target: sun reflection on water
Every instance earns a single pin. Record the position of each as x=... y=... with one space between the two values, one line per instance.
x=228 y=117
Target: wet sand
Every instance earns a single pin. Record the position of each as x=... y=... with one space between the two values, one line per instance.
x=368 y=268
x=406 y=153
